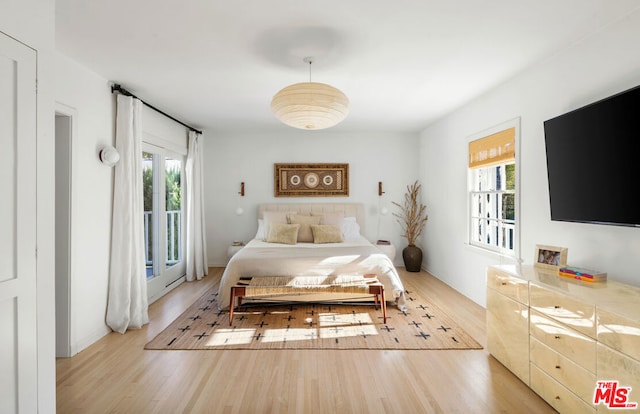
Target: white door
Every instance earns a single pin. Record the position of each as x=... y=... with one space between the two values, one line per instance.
x=18 y=340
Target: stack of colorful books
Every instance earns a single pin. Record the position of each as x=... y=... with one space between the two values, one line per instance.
x=582 y=274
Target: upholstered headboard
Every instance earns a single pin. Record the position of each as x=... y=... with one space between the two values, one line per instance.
x=350 y=209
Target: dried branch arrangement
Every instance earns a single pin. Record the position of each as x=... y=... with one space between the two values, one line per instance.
x=413 y=214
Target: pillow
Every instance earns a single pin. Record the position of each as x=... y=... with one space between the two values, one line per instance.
x=261 y=234
x=334 y=218
x=350 y=228
x=305 y=222
x=283 y=233
x=274 y=217
x=269 y=217
x=326 y=233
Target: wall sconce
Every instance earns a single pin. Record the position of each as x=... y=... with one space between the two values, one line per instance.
x=109 y=156
x=240 y=210
x=380 y=192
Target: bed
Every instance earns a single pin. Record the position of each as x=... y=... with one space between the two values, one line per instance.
x=306 y=260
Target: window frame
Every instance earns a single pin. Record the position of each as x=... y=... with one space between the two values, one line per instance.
x=471 y=193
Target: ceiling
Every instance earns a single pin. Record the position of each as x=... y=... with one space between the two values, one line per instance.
x=403 y=64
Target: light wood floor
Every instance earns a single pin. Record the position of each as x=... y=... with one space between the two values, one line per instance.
x=116 y=375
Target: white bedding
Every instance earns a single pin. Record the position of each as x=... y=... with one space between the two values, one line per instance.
x=353 y=257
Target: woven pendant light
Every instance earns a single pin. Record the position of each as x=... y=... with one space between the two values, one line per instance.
x=310 y=105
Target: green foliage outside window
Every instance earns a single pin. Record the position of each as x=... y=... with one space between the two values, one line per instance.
x=173 y=203
x=509 y=200
x=174 y=195
x=172 y=184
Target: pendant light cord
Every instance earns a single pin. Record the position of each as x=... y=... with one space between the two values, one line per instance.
x=309 y=60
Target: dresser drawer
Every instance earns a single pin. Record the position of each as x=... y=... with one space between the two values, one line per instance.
x=574 y=313
x=510 y=286
x=619 y=333
x=508 y=333
x=557 y=395
x=577 y=347
x=614 y=366
x=577 y=379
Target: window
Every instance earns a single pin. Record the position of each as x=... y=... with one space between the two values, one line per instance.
x=493 y=207
x=493 y=191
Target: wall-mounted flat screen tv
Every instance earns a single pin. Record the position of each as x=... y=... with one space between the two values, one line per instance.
x=593 y=162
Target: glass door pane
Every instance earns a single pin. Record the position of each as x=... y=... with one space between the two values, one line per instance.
x=149 y=216
x=173 y=204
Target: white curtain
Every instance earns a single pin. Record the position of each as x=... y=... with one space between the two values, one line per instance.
x=196 y=255
x=127 y=305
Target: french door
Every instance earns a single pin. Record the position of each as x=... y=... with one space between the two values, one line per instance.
x=18 y=318
x=163 y=173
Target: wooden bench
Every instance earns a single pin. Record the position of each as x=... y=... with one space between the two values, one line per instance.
x=375 y=289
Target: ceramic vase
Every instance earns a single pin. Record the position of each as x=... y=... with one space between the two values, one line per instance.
x=412 y=256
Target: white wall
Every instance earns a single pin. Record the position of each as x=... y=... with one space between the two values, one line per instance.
x=88 y=97
x=231 y=158
x=32 y=22
x=596 y=67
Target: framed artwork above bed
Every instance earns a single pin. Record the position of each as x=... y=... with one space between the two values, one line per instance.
x=311 y=180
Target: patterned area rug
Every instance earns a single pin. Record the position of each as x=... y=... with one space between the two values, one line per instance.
x=313 y=326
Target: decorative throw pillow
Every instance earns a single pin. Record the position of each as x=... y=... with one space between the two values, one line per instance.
x=305 y=222
x=326 y=233
x=334 y=218
x=283 y=233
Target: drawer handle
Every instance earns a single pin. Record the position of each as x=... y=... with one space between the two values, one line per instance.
x=557 y=397
x=557 y=337
x=557 y=366
x=504 y=283
x=557 y=307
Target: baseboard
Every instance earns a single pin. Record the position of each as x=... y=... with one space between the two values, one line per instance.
x=89 y=340
x=167 y=289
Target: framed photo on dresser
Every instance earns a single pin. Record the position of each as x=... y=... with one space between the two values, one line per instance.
x=550 y=257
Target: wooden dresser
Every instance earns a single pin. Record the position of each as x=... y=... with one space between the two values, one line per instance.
x=561 y=336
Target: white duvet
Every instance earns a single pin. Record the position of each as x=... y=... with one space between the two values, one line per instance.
x=350 y=258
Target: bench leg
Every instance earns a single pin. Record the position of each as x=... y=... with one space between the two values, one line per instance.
x=232 y=303
x=384 y=306
x=378 y=296
x=236 y=292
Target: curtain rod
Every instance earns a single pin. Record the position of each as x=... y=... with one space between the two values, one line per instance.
x=117 y=88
